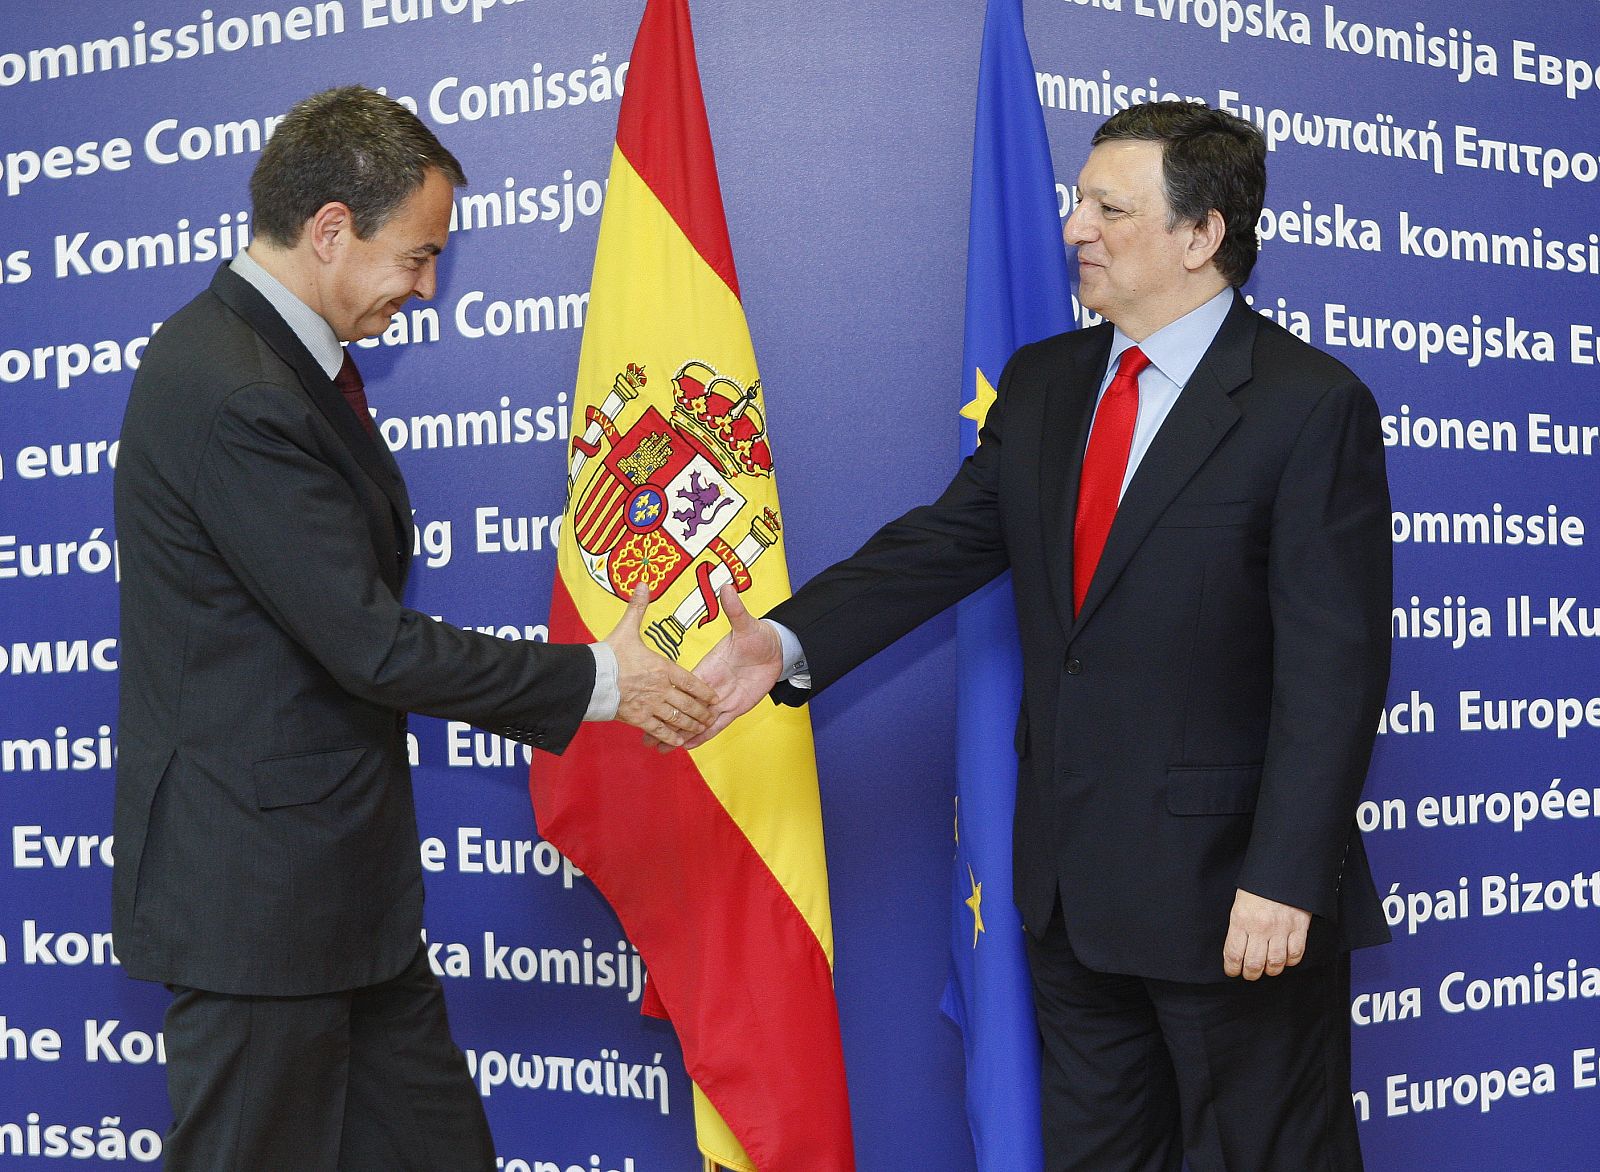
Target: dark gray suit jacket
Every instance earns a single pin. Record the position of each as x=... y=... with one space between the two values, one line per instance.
x=1206 y=722
x=266 y=838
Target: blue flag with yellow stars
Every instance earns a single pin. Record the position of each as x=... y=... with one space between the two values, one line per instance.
x=1016 y=293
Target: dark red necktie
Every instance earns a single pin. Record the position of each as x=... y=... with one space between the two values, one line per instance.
x=1105 y=462
x=348 y=380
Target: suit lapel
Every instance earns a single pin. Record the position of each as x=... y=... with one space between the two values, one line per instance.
x=373 y=456
x=1203 y=414
x=1068 y=412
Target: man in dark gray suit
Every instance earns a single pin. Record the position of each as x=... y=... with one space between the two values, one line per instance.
x=1193 y=507
x=268 y=865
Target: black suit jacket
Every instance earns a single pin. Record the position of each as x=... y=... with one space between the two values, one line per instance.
x=265 y=830
x=1205 y=723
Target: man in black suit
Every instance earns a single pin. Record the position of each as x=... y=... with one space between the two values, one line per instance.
x=268 y=866
x=1193 y=506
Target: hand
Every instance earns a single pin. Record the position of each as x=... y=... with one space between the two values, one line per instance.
x=657 y=695
x=742 y=668
x=1264 y=937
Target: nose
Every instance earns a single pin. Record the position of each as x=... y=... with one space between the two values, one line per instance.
x=1077 y=229
x=427 y=280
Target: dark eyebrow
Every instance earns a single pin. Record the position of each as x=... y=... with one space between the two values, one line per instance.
x=429 y=249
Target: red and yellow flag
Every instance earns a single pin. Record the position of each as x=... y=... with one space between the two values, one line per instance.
x=713 y=858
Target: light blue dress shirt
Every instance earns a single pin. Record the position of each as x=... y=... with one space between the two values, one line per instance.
x=1174 y=351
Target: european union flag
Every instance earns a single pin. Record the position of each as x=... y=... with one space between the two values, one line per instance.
x=1016 y=293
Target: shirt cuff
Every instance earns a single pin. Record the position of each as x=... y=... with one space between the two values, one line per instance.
x=795 y=669
x=606 y=696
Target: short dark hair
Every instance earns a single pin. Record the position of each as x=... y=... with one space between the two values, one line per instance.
x=1210 y=159
x=350 y=145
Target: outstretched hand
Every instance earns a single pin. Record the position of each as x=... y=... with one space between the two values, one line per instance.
x=743 y=667
x=668 y=703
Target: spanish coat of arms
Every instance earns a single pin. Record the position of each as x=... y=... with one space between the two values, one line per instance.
x=659 y=499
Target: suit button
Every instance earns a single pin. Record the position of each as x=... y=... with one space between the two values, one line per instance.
x=1074 y=666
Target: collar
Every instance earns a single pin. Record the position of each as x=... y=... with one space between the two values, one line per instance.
x=1176 y=348
x=315 y=334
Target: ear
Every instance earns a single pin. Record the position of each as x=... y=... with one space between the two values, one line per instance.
x=327 y=227
x=1205 y=237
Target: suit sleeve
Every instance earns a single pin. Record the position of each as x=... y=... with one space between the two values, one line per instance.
x=1329 y=578
x=908 y=571
x=297 y=537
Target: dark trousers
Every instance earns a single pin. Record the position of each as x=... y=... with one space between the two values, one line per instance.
x=364 y=1080
x=1236 y=1076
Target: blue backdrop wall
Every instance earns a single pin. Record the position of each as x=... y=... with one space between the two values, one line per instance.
x=1431 y=221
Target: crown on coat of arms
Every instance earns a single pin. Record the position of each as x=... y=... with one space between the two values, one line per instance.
x=724 y=417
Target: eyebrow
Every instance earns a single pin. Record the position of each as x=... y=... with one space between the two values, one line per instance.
x=429 y=249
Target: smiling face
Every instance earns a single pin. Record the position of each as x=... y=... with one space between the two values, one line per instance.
x=1133 y=269
x=365 y=282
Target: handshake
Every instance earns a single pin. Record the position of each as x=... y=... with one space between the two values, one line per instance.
x=678 y=708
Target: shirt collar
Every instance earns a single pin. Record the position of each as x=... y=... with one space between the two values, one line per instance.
x=1176 y=348
x=315 y=334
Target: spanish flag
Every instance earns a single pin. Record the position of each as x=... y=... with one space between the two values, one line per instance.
x=713 y=858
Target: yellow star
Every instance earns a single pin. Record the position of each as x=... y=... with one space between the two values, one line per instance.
x=978 y=409
x=975 y=902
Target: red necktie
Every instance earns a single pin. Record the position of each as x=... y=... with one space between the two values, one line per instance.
x=1105 y=462
x=348 y=380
